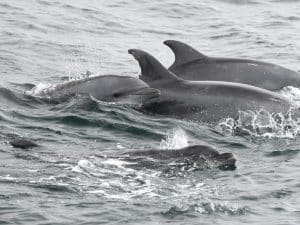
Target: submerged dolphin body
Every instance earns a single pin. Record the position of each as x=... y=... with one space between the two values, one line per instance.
x=191 y=157
x=190 y=64
x=207 y=101
x=108 y=88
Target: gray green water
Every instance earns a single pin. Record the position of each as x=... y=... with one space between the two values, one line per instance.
x=67 y=180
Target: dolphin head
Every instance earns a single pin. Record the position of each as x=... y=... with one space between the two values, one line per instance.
x=225 y=161
x=122 y=89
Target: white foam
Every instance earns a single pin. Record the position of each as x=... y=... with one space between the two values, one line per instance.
x=262 y=123
x=86 y=164
x=83 y=165
x=267 y=124
x=116 y=162
x=292 y=94
x=120 y=146
x=8 y=177
x=82 y=76
x=41 y=89
x=44 y=89
x=176 y=138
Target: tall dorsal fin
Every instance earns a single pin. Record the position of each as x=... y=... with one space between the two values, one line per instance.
x=183 y=52
x=151 y=69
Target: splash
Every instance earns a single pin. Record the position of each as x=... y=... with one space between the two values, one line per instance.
x=292 y=94
x=176 y=138
x=112 y=180
x=45 y=89
x=41 y=89
x=262 y=123
x=183 y=194
x=81 y=76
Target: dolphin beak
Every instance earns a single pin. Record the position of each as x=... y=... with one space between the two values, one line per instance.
x=147 y=91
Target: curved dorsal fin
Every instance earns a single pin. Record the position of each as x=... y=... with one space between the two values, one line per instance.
x=183 y=52
x=151 y=68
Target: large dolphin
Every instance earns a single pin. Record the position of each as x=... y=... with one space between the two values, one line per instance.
x=190 y=64
x=208 y=101
x=191 y=157
x=108 y=88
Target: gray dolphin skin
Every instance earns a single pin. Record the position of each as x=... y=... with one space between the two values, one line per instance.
x=191 y=157
x=108 y=88
x=207 y=101
x=190 y=64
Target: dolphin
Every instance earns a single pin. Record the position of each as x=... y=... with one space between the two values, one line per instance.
x=190 y=64
x=191 y=157
x=107 y=88
x=206 y=101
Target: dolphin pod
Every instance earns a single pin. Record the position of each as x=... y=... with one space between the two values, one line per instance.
x=207 y=101
x=190 y=64
x=204 y=89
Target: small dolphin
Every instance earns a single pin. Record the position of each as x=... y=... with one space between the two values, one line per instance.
x=191 y=157
x=108 y=88
x=207 y=101
x=190 y=64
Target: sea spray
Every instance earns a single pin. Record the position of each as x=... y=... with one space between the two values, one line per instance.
x=175 y=139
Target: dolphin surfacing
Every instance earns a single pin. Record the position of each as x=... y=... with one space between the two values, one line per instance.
x=190 y=64
x=191 y=157
x=107 y=88
x=206 y=101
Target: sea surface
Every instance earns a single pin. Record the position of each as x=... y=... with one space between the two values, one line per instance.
x=71 y=178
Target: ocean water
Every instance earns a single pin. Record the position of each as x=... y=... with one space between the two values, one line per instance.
x=71 y=178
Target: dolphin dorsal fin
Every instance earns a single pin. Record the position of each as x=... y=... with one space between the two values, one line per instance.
x=151 y=69
x=183 y=53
